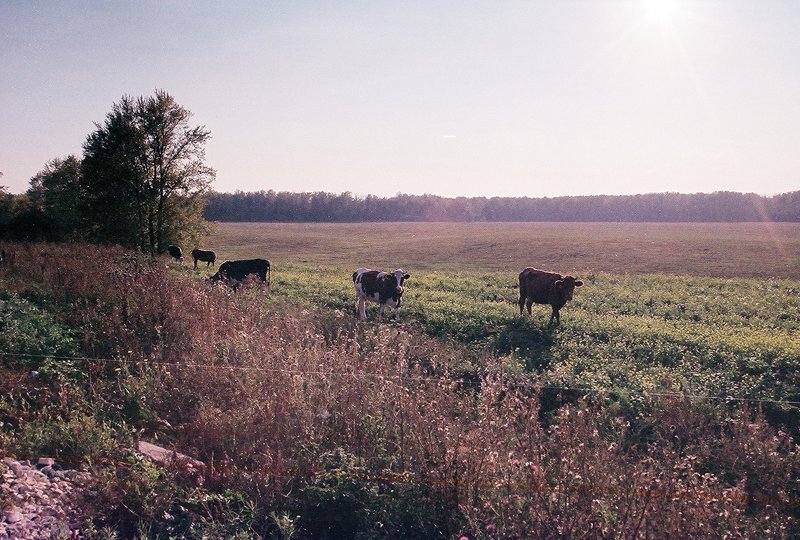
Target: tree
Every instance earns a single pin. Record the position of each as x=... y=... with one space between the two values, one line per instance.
x=55 y=192
x=15 y=216
x=143 y=174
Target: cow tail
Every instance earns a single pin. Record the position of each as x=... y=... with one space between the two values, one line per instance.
x=269 y=275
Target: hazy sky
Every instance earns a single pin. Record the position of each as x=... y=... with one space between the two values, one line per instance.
x=451 y=98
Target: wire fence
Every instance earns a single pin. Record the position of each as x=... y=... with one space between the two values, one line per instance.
x=409 y=378
x=514 y=485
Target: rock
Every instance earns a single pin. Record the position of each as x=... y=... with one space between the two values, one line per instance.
x=12 y=516
x=37 y=476
x=42 y=500
x=176 y=460
x=45 y=462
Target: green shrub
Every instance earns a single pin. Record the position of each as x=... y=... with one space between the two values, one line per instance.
x=30 y=338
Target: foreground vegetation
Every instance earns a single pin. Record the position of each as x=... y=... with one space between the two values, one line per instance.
x=465 y=419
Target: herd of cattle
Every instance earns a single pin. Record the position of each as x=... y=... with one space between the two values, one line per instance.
x=231 y=272
x=386 y=288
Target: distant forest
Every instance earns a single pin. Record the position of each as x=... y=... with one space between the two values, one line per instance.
x=721 y=206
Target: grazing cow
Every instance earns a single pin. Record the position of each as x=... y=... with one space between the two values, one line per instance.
x=234 y=272
x=546 y=288
x=175 y=252
x=381 y=287
x=206 y=256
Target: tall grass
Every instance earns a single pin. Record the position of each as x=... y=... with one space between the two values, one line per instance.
x=379 y=429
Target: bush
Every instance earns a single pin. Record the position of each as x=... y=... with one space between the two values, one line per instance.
x=31 y=339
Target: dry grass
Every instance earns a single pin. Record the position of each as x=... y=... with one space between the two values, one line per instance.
x=350 y=425
x=759 y=250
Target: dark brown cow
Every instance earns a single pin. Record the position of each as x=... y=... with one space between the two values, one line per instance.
x=546 y=288
x=202 y=255
x=381 y=287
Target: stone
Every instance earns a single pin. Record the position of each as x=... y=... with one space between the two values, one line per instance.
x=12 y=516
x=42 y=500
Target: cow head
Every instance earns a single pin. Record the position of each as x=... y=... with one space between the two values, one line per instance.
x=400 y=276
x=566 y=286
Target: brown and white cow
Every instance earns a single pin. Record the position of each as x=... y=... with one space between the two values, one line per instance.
x=382 y=287
x=546 y=288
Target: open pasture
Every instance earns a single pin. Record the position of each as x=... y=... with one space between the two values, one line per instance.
x=758 y=250
x=464 y=414
x=679 y=308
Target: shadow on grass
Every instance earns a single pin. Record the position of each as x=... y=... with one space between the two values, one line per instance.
x=529 y=340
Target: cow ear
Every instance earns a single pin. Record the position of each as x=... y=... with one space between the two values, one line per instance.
x=406 y=276
x=578 y=283
x=559 y=283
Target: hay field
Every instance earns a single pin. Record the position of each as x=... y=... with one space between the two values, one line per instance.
x=754 y=250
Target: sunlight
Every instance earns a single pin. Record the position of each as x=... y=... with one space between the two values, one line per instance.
x=660 y=10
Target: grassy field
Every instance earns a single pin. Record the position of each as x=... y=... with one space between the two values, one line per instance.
x=677 y=308
x=759 y=250
x=666 y=404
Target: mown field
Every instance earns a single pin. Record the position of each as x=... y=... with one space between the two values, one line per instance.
x=666 y=404
x=758 y=250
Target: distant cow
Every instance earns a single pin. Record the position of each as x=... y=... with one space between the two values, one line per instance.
x=206 y=256
x=381 y=287
x=546 y=288
x=234 y=272
x=175 y=252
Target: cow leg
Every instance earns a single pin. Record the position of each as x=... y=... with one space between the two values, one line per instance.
x=397 y=314
x=528 y=304
x=521 y=302
x=380 y=313
x=362 y=313
x=195 y=264
x=555 y=316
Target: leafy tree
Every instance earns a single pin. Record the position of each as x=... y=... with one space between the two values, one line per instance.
x=55 y=192
x=143 y=174
x=17 y=220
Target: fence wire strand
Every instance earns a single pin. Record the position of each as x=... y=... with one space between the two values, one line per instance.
x=354 y=374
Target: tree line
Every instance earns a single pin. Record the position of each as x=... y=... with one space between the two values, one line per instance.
x=141 y=183
x=721 y=206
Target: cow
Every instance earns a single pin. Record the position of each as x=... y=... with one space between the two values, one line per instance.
x=234 y=272
x=175 y=252
x=202 y=255
x=546 y=288
x=382 y=287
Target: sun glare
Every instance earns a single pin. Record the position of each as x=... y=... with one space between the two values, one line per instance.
x=660 y=10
